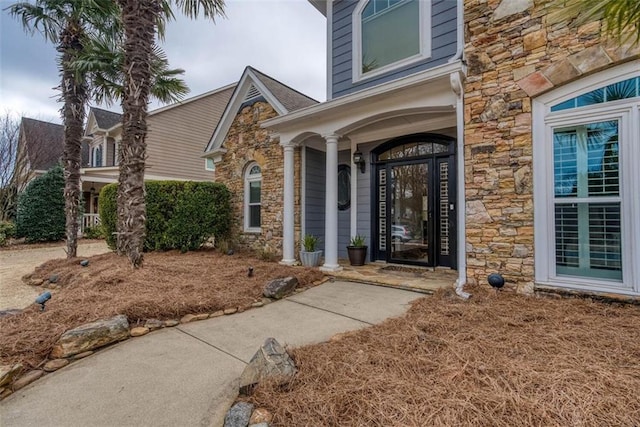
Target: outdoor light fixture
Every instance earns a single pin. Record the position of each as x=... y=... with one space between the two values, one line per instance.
x=358 y=160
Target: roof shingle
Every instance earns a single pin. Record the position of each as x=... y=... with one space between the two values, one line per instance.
x=44 y=143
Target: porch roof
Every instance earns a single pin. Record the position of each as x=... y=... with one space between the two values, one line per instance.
x=380 y=97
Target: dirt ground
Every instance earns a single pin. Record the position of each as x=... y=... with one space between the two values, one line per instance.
x=168 y=286
x=17 y=261
x=494 y=360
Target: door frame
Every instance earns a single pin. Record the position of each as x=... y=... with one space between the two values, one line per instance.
x=434 y=159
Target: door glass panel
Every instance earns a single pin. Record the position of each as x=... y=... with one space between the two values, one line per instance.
x=382 y=209
x=444 y=207
x=409 y=212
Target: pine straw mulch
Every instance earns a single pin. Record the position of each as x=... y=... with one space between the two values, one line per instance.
x=169 y=286
x=495 y=360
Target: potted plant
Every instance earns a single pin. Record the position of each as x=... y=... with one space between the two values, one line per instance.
x=357 y=250
x=309 y=256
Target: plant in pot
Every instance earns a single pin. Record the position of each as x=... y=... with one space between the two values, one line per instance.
x=357 y=250
x=309 y=256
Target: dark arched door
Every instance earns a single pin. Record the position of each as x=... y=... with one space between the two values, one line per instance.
x=414 y=201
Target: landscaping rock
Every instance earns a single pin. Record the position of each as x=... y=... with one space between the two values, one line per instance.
x=217 y=314
x=201 y=316
x=257 y=304
x=153 y=324
x=8 y=373
x=82 y=355
x=54 y=278
x=139 y=331
x=91 y=336
x=231 y=310
x=36 y=282
x=171 y=323
x=9 y=312
x=84 y=262
x=238 y=415
x=261 y=416
x=26 y=380
x=55 y=364
x=270 y=361
x=280 y=288
x=188 y=318
x=5 y=392
x=259 y=425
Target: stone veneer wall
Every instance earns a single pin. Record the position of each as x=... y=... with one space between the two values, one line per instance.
x=247 y=142
x=514 y=54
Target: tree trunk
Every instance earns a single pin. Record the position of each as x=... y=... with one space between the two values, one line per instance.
x=75 y=96
x=139 y=19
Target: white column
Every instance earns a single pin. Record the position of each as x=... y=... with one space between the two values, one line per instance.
x=355 y=173
x=288 y=224
x=331 y=206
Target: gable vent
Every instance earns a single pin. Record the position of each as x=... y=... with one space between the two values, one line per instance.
x=252 y=93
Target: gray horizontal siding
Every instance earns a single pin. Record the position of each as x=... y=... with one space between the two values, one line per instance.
x=314 y=203
x=443 y=46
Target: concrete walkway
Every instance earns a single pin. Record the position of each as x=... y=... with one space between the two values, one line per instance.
x=187 y=375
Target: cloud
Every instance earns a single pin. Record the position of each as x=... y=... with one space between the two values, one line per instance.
x=282 y=38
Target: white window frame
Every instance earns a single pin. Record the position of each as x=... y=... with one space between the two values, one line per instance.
x=627 y=113
x=93 y=155
x=206 y=164
x=356 y=50
x=248 y=178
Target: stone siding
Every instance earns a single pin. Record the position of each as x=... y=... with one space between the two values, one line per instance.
x=247 y=142
x=513 y=54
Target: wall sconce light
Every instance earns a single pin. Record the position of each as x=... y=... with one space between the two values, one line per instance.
x=358 y=160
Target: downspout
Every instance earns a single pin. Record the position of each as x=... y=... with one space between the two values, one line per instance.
x=458 y=88
x=459 y=32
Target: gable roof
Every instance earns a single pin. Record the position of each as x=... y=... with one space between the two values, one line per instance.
x=281 y=97
x=105 y=119
x=44 y=142
x=290 y=98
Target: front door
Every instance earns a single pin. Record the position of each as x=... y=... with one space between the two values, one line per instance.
x=415 y=197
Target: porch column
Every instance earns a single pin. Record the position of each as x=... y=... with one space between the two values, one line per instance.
x=288 y=223
x=331 y=206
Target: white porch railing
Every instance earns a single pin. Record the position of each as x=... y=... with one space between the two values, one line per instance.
x=89 y=220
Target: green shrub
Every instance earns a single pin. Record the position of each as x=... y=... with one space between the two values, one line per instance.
x=107 y=209
x=96 y=232
x=180 y=215
x=7 y=231
x=40 y=216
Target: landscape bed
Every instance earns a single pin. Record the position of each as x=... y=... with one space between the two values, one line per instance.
x=169 y=286
x=495 y=360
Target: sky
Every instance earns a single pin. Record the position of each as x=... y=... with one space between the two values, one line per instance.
x=285 y=39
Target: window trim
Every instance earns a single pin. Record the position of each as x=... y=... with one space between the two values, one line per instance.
x=356 y=47
x=248 y=178
x=206 y=164
x=627 y=113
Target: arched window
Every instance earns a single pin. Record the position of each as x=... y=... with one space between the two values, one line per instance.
x=388 y=34
x=252 y=197
x=97 y=156
x=585 y=138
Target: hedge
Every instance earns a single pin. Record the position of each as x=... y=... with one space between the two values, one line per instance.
x=41 y=211
x=180 y=215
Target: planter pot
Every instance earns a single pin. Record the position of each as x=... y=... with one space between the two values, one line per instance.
x=310 y=259
x=357 y=255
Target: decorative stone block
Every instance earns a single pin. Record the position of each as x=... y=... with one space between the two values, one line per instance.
x=91 y=336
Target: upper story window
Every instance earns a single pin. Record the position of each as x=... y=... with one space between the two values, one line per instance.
x=97 y=156
x=252 y=198
x=626 y=89
x=389 y=34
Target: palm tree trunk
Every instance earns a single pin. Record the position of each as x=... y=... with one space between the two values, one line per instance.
x=139 y=20
x=74 y=95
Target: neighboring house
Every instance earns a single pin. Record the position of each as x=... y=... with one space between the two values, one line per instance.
x=176 y=135
x=40 y=147
x=453 y=144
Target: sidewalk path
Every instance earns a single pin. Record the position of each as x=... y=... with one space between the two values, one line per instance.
x=14 y=264
x=187 y=375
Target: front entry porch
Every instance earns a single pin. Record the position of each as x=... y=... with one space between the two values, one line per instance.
x=419 y=279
